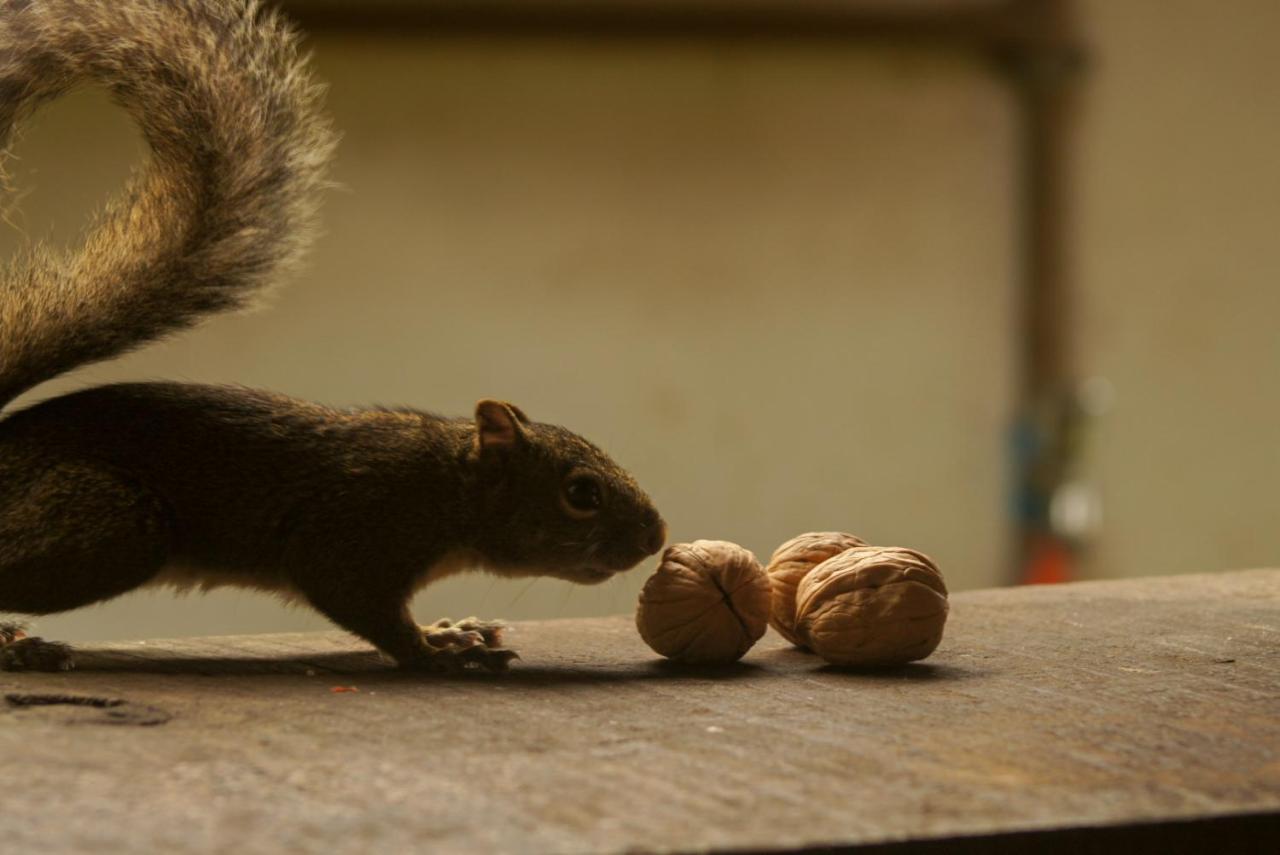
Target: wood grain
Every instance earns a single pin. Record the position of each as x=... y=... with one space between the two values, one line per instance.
x=1088 y=706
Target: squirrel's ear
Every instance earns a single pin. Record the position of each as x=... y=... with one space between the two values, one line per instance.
x=499 y=425
x=519 y=413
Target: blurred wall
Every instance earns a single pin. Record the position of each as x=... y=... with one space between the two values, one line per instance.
x=1178 y=240
x=773 y=279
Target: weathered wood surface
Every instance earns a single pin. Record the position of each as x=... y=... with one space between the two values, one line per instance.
x=1100 y=704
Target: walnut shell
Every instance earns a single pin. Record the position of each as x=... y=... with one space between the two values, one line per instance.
x=707 y=603
x=872 y=606
x=790 y=563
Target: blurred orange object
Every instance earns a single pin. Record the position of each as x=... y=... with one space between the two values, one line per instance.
x=1048 y=562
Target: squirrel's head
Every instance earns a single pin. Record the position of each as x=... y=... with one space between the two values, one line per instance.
x=552 y=503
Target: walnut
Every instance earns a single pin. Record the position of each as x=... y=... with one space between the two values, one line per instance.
x=872 y=606
x=707 y=603
x=790 y=563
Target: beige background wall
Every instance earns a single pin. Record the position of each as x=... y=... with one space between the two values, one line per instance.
x=1179 y=271
x=774 y=280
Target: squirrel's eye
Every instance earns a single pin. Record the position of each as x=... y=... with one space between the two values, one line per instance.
x=583 y=494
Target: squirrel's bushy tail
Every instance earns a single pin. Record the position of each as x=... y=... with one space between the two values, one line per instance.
x=239 y=149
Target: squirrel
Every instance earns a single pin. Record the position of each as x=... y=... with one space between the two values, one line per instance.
x=350 y=511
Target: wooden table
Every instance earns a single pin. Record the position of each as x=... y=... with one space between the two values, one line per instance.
x=1102 y=716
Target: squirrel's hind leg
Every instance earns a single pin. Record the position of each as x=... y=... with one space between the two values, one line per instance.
x=71 y=534
x=19 y=652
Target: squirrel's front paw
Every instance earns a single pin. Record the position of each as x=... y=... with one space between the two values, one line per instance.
x=445 y=631
x=461 y=645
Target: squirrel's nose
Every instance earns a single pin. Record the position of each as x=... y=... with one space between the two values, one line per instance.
x=653 y=536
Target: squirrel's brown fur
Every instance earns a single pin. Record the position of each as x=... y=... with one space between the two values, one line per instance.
x=113 y=488
x=239 y=151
